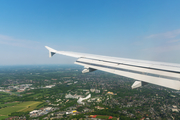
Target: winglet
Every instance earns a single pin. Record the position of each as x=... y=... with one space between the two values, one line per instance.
x=51 y=51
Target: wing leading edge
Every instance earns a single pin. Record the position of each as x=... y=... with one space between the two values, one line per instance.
x=159 y=73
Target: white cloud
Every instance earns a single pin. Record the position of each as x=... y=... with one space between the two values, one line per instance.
x=166 y=35
x=173 y=41
x=165 y=48
x=7 y=40
x=3 y=37
x=163 y=42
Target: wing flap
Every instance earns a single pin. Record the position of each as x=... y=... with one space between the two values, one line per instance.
x=141 y=70
x=173 y=84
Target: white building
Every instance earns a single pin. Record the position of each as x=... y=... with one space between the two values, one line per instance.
x=35 y=112
x=81 y=99
x=72 y=96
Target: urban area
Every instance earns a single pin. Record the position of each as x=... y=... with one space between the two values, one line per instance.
x=61 y=92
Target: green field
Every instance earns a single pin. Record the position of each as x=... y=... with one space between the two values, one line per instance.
x=3 y=117
x=9 y=104
x=22 y=107
x=29 y=106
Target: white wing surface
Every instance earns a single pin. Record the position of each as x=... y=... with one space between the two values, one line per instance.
x=159 y=73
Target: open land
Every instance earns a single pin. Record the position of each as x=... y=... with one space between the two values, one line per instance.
x=21 y=107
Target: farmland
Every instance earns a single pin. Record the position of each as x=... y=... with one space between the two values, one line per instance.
x=22 y=107
x=9 y=104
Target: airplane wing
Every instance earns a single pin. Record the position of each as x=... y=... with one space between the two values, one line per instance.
x=159 y=73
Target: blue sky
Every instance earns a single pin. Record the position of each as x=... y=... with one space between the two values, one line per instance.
x=137 y=29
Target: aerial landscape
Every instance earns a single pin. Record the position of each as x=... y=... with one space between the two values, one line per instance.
x=89 y=60
x=54 y=92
